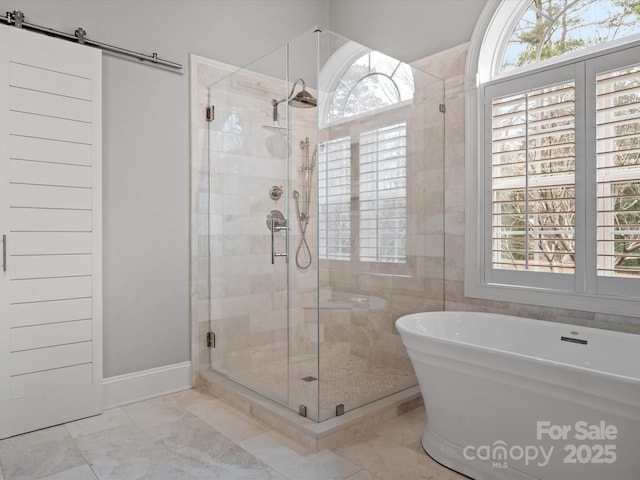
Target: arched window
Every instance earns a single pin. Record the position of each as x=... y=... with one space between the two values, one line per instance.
x=372 y=82
x=550 y=28
x=523 y=33
x=553 y=154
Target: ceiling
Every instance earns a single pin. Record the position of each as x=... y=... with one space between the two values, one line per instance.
x=406 y=29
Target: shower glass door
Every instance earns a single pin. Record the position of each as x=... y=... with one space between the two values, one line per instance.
x=248 y=217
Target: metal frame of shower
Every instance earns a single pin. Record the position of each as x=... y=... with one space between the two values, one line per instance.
x=17 y=19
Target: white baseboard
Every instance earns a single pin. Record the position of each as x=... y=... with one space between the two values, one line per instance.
x=137 y=386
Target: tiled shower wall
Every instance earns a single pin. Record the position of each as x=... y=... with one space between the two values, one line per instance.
x=450 y=65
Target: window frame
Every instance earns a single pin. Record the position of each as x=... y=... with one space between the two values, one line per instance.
x=587 y=291
x=331 y=75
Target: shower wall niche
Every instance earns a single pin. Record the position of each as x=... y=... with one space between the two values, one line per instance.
x=304 y=313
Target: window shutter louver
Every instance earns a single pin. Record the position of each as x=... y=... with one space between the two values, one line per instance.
x=334 y=199
x=383 y=194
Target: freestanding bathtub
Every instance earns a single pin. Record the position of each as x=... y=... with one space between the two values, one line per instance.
x=513 y=398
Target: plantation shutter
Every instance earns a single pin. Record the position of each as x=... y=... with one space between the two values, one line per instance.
x=383 y=194
x=618 y=172
x=334 y=199
x=533 y=180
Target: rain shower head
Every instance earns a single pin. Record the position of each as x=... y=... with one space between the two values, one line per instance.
x=302 y=99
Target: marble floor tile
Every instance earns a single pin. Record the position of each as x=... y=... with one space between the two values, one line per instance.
x=46 y=460
x=277 y=452
x=39 y=454
x=391 y=460
x=123 y=449
x=182 y=450
x=230 y=422
x=405 y=429
x=157 y=411
x=127 y=453
x=38 y=437
x=364 y=475
x=194 y=436
x=192 y=396
x=417 y=447
x=82 y=472
x=109 y=419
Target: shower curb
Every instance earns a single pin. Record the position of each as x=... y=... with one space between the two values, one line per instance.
x=313 y=435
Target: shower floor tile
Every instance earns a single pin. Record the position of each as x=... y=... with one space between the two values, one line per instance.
x=339 y=379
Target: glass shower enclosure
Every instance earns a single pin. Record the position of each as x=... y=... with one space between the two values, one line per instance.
x=321 y=221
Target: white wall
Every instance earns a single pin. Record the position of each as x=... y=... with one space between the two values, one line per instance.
x=146 y=133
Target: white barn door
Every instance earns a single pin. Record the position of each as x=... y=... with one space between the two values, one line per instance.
x=51 y=223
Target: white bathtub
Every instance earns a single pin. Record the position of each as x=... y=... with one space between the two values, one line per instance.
x=501 y=390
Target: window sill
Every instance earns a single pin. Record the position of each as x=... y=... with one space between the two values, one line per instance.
x=557 y=299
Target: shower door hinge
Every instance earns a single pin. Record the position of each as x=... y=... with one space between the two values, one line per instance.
x=211 y=340
x=442 y=108
x=210 y=113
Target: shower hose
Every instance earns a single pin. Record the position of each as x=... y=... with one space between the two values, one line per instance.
x=303 y=247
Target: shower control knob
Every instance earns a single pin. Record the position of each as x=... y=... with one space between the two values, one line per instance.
x=276 y=221
x=275 y=192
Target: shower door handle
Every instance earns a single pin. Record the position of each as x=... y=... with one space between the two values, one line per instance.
x=276 y=227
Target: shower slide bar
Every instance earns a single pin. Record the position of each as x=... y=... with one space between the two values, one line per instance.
x=17 y=19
